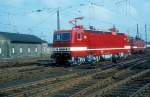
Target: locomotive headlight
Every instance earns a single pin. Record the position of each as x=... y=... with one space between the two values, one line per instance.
x=85 y=36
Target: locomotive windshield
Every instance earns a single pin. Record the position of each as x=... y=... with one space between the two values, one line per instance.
x=62 y=36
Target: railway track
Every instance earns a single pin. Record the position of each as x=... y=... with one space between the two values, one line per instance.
x=43 y=81
x=89 y=80
x=15 y=72
x=23 y=73
x=86 y=87
x=143 y=92
x=130 y=87
x=100 y=82
x=58 y=82
x=42 y=88
x=110 y=90
x=92 y=78
x=34 y=71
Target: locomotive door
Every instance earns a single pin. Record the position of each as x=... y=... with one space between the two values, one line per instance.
x=90 y=44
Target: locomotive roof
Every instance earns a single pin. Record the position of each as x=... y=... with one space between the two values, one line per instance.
x=106 y=32
x=93 y=31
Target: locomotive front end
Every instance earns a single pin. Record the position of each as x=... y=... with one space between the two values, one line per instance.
x=61 y=44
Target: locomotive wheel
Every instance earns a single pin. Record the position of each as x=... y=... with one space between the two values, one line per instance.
x=114 y=59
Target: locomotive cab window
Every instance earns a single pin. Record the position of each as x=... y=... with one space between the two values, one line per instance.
x=57 y=37
x=62 y=36
x=66 y=36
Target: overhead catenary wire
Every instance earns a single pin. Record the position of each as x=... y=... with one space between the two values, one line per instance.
x=76 y=10
x=50 y=13
x=70 y=7
x=61 y=10
x=55 y=11
x=10 y=14
x=93 y=4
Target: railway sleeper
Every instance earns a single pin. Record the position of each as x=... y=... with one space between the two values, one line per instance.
x=71 y=83
x=127 y=90
x=61 y=84
x=118 y=84
x=143 y=92
x=101 y=83
x=36 y=83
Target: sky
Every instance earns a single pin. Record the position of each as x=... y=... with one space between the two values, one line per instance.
x=38 y=17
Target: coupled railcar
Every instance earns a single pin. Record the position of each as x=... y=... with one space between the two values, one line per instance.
x=137 y=45
x=79 y=45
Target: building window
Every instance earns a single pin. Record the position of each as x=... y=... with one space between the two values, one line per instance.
x=44 y=49
x=29 y=50
x=13 y=50
x=20 y=50
x=0 y=51
x=36 y=50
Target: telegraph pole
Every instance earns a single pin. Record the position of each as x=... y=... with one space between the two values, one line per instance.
x=146 y=34
x=58 y=19
x=137 y=30
x=126 y=7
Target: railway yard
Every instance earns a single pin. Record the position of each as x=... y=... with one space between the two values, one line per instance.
x=126 y=78
x=82 y=48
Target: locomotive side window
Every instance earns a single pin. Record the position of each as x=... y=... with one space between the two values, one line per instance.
x=79 y=36
x=66 y=36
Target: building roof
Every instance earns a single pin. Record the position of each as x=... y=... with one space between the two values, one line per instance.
x=21 y=38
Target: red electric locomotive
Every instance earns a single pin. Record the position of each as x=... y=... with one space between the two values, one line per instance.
x=80 y=45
